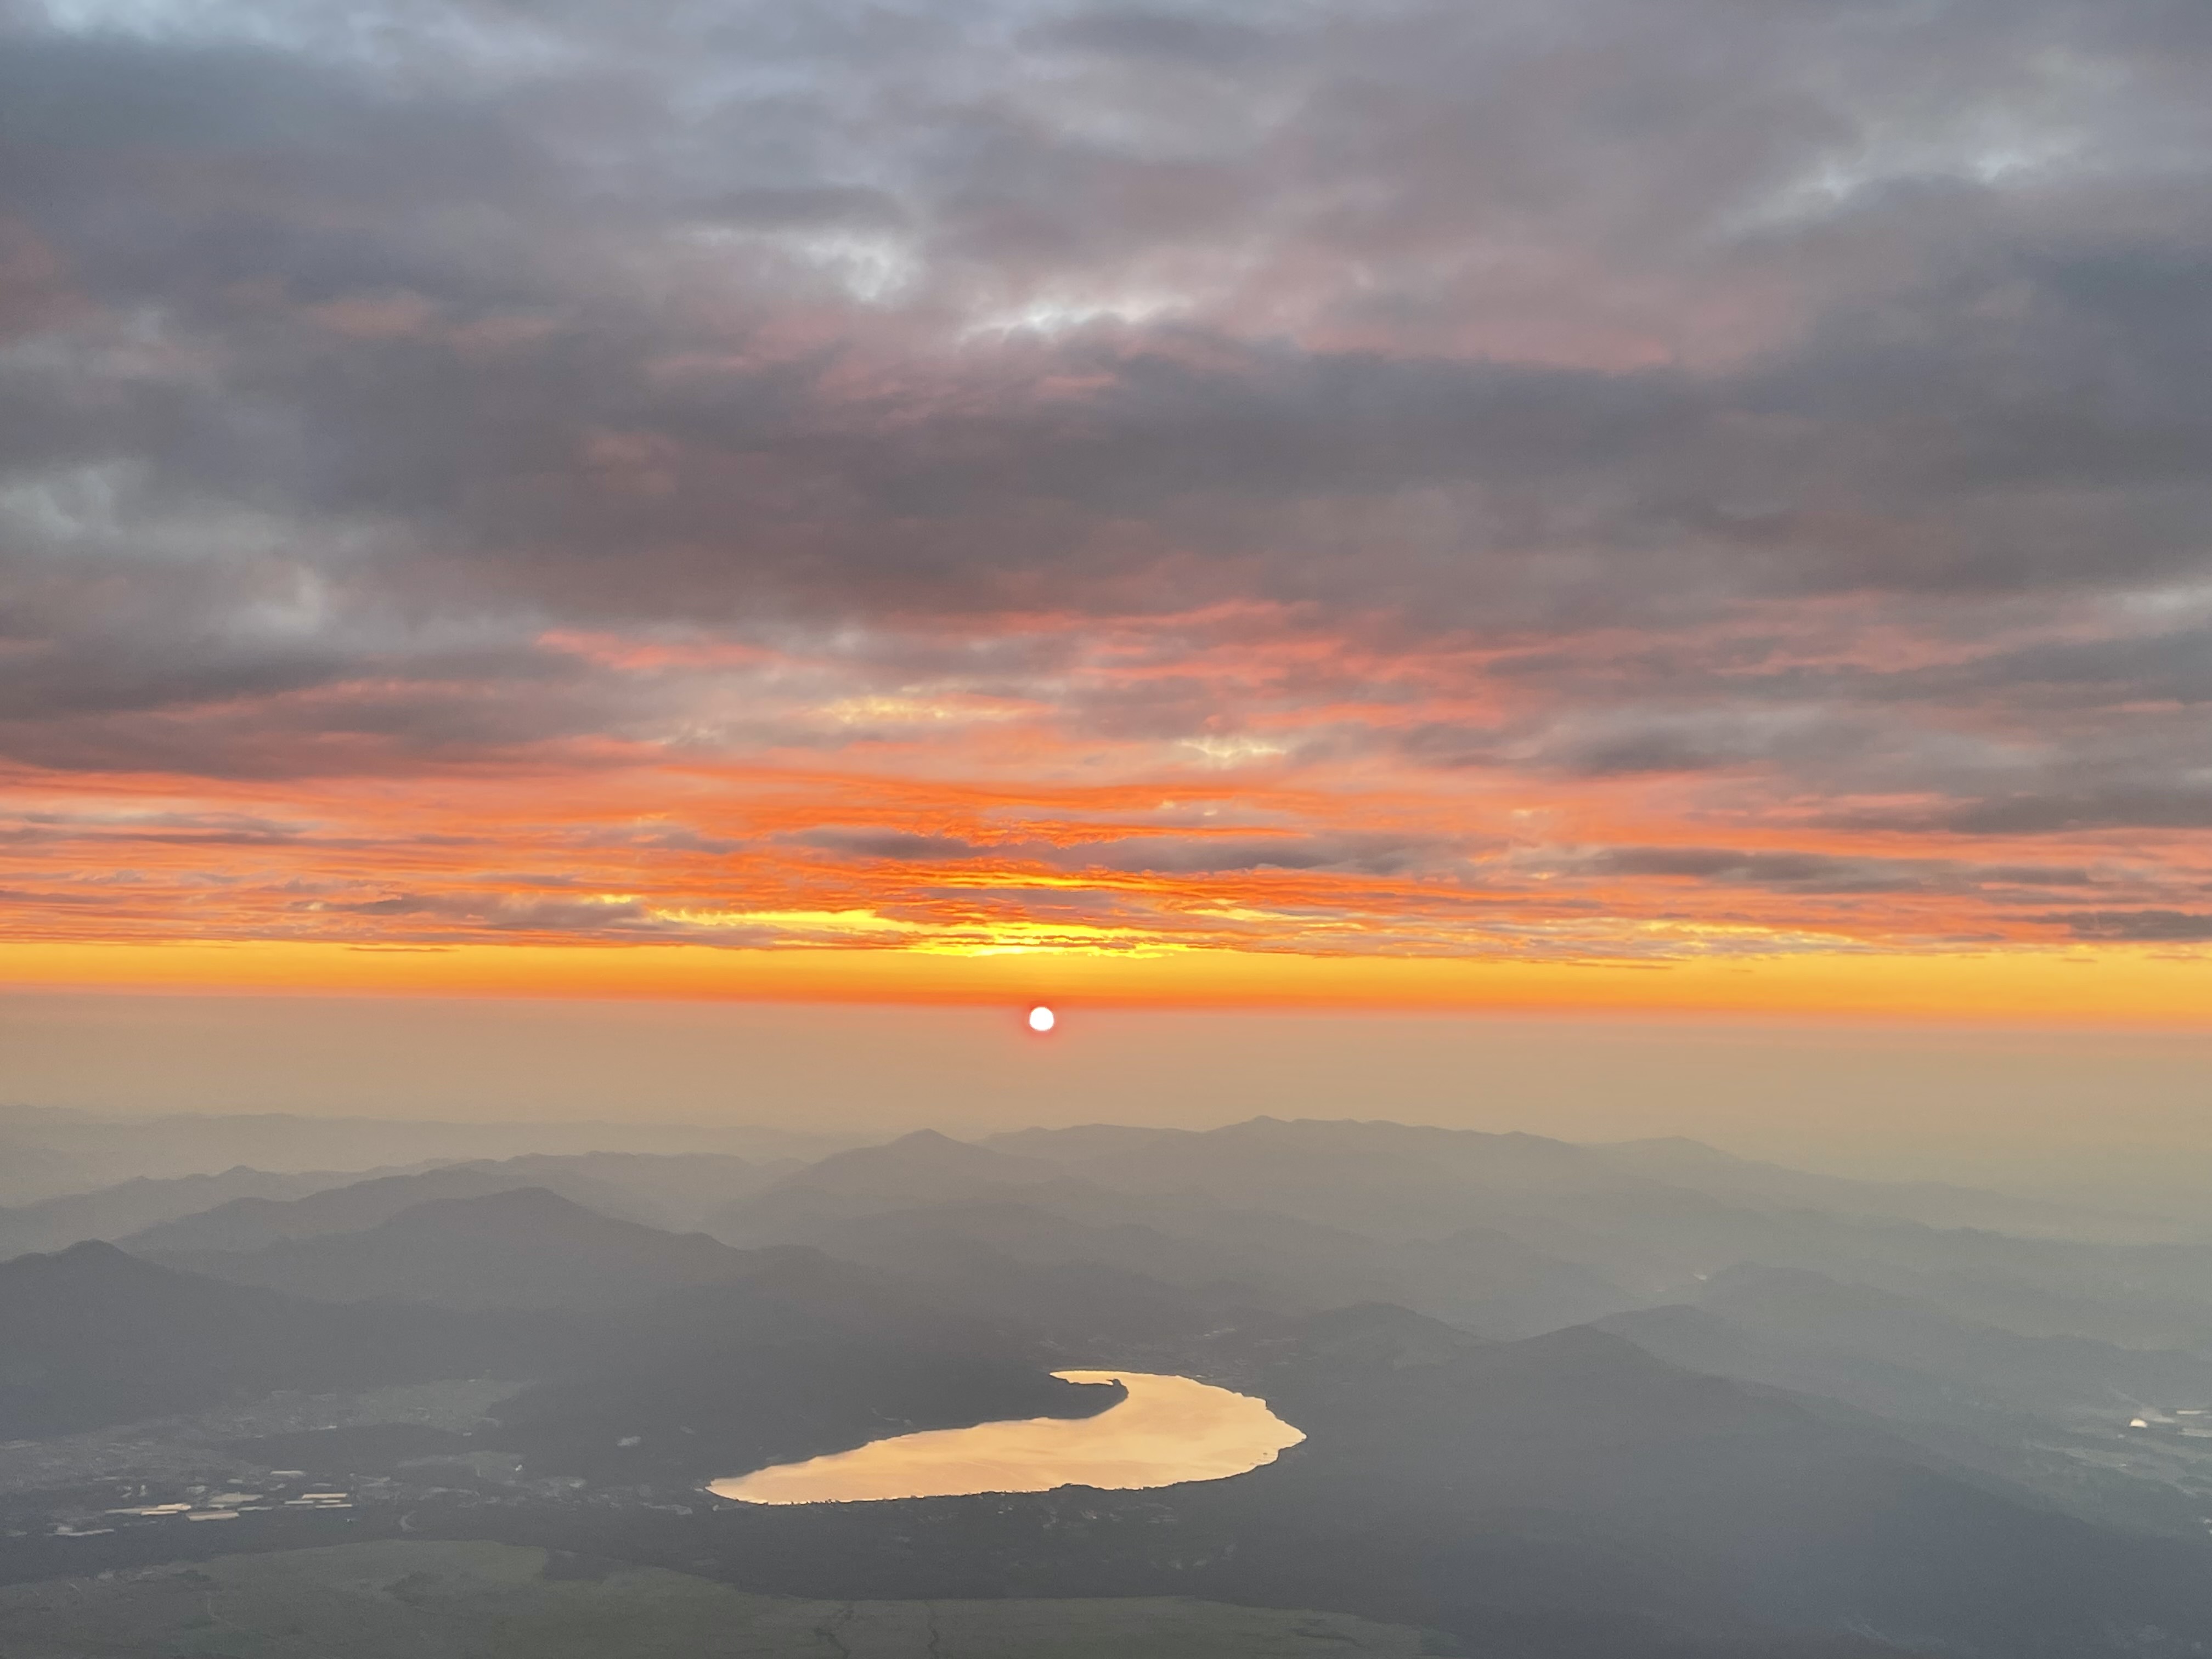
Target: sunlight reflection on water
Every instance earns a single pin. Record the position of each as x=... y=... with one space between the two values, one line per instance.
x=1169 y=1430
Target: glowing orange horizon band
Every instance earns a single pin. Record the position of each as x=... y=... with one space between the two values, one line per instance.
x=2111 y=986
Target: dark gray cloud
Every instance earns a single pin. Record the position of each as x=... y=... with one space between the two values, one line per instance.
x=2128 y=806
x=504 y=913
x=898 y=845
x=1806 y=401
x=1183 y=854
x=1355 y=854
x=2151 y=926
x=1827 y=872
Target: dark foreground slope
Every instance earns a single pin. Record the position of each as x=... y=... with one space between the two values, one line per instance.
x=1618 y=1480
x=427 y=1600
x=1563 y=1498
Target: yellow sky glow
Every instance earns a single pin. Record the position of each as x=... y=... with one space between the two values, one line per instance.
x=2114 y=986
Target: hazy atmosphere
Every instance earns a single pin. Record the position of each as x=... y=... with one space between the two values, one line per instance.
x=1962 y=1104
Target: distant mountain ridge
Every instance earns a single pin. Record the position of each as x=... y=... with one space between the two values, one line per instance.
x=129 y=1206
x=1529 y=1162
x=1652 y=1236
x=76 y=1151
x=914 y=1170
x=1828 y=1324
x=927 y=1198
x=660 y=1191
x=93 y=1335
x=523 y=1247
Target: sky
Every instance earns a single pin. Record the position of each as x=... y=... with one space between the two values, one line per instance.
x=1663 y=507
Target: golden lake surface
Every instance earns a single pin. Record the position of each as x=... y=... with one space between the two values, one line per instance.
x=1169 y=1430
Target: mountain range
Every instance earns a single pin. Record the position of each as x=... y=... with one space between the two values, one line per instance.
x=1627 y=1401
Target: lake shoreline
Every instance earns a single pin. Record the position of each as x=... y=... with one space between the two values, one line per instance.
x=1167 y=1430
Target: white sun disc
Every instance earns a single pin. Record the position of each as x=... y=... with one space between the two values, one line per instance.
x=1040 y=1018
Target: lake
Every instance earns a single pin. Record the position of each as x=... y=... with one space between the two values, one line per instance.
x=1169 y=1430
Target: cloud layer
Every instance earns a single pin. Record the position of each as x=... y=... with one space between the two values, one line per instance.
x=1602 y=478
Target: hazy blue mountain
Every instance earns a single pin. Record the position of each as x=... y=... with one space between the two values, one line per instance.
x=1405 y=1184
x=1655 y=1239
x=31 y=1170
x=664 y=1191
x=677 y=1191
x=912 y=1172
x=93 y=1335
x=2141 y=1296
x=1699 y=1339
x=1476 y=1276
x=918 y=1167
x=114 y=1212
x=1681 y=1161
x=1079 y=1141
x=254 y=1224
x=81 y=1150
x=1042 y=1225
x=1386 y=1180
x=522 y=1247
x=1106 y=1293
x=928 y=1191
x=2054 y=1375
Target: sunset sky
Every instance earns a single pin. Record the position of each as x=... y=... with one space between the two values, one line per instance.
x=1593 y=505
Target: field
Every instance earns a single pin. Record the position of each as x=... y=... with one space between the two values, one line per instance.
x=479 y=1601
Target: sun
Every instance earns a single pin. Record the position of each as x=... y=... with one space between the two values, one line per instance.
x=1041 y=1018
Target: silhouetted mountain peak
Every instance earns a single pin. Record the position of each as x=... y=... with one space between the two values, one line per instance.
x=246 y=1224
x=925 y=1138
x=890 y=1170
x=91 y=1258
x=533 y=1206
x=518 y=1247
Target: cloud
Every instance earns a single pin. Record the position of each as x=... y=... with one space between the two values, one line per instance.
x=2133 y=806
x=2151 y=925
x=897 y=845
x=1435 y=442
x=1810 y=872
